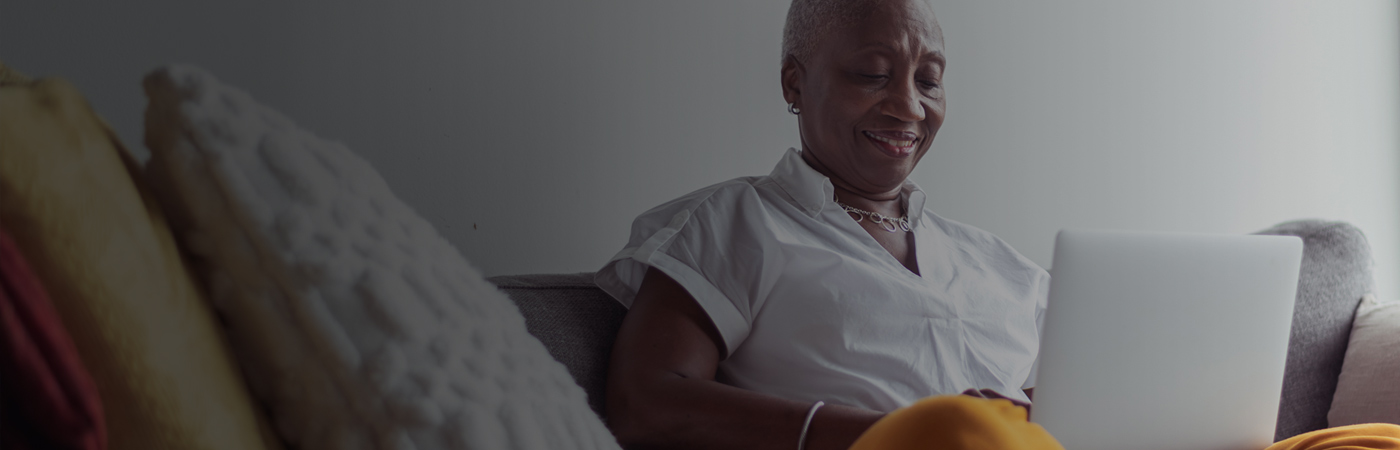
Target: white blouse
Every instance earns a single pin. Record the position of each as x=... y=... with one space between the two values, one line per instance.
x=812 y=308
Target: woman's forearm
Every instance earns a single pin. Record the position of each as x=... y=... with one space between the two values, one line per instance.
x=668 y=410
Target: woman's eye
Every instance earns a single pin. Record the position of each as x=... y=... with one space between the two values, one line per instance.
x=875 y=77
x=928 y=84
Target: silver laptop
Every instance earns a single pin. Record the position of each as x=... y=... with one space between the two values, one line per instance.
x=1158 y=341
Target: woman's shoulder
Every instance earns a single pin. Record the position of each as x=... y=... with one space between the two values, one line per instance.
x=723 y=212
x=720 y=199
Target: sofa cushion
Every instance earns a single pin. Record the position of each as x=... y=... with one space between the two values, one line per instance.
x=357 y=322
x=1368 y=391
x=101 y=247
x=1336 y=272
x=575 y=320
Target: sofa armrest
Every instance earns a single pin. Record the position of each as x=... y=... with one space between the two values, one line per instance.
x=1335 y=274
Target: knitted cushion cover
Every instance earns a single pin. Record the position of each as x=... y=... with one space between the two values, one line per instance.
x=356 y=322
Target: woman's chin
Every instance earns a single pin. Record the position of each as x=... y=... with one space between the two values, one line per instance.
x=886 y=173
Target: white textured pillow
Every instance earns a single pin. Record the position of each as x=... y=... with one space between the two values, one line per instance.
x=1368 y=390
x=355 y=322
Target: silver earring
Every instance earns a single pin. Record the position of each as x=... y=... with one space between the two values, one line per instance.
x=792 y=108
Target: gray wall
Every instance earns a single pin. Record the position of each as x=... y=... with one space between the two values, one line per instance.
x=531 y=133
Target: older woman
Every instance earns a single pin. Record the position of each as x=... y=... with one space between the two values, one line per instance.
x=802 y=307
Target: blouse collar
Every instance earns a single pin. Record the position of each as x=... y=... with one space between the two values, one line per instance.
x=811 y=191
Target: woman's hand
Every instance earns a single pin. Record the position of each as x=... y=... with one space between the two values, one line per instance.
x=991 y=394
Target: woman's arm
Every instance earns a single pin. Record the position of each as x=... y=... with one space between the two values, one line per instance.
x=662 y=391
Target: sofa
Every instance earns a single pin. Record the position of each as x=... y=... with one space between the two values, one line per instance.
x=578 y=322
x=154 y=330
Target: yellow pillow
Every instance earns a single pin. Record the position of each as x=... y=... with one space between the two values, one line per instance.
x=107 y=258
x=10 y=76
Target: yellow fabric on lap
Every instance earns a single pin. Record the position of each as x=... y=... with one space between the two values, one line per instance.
x=1371 y=436
x=968 y=423
x=116 y=277
x=957 y=422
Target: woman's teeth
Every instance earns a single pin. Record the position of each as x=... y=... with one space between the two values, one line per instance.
x=894 y=142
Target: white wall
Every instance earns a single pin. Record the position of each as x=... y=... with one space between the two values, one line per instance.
x=532 y=134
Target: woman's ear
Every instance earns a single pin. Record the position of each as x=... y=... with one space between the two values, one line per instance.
x=792 y=75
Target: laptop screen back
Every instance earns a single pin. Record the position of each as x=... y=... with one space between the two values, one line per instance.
x=1157 y=341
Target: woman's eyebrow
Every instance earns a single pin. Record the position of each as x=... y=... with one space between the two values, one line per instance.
x=935 y=55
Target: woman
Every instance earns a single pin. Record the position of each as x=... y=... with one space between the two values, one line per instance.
x=801 y=308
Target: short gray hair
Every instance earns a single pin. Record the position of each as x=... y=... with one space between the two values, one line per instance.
x=808 y=20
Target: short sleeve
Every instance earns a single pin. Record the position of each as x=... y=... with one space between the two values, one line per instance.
x=693 y=242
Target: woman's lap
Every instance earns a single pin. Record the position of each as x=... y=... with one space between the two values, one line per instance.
x=957 y=422
x=1376 y=436
x=968 y=423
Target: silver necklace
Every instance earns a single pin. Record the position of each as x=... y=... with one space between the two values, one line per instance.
x=890 y=224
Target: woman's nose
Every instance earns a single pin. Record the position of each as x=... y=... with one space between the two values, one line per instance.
x=903 y=102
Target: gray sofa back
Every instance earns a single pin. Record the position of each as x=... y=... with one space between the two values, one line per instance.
x=578 y=322
x=574 y=319
x=1336 y=273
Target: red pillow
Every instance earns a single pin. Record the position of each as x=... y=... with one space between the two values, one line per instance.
x=47 y=398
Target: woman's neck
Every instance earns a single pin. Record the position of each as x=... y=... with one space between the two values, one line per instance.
x=886 y=202
x=891 y=205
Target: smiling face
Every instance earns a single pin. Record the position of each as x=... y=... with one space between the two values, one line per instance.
x=871 y=97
